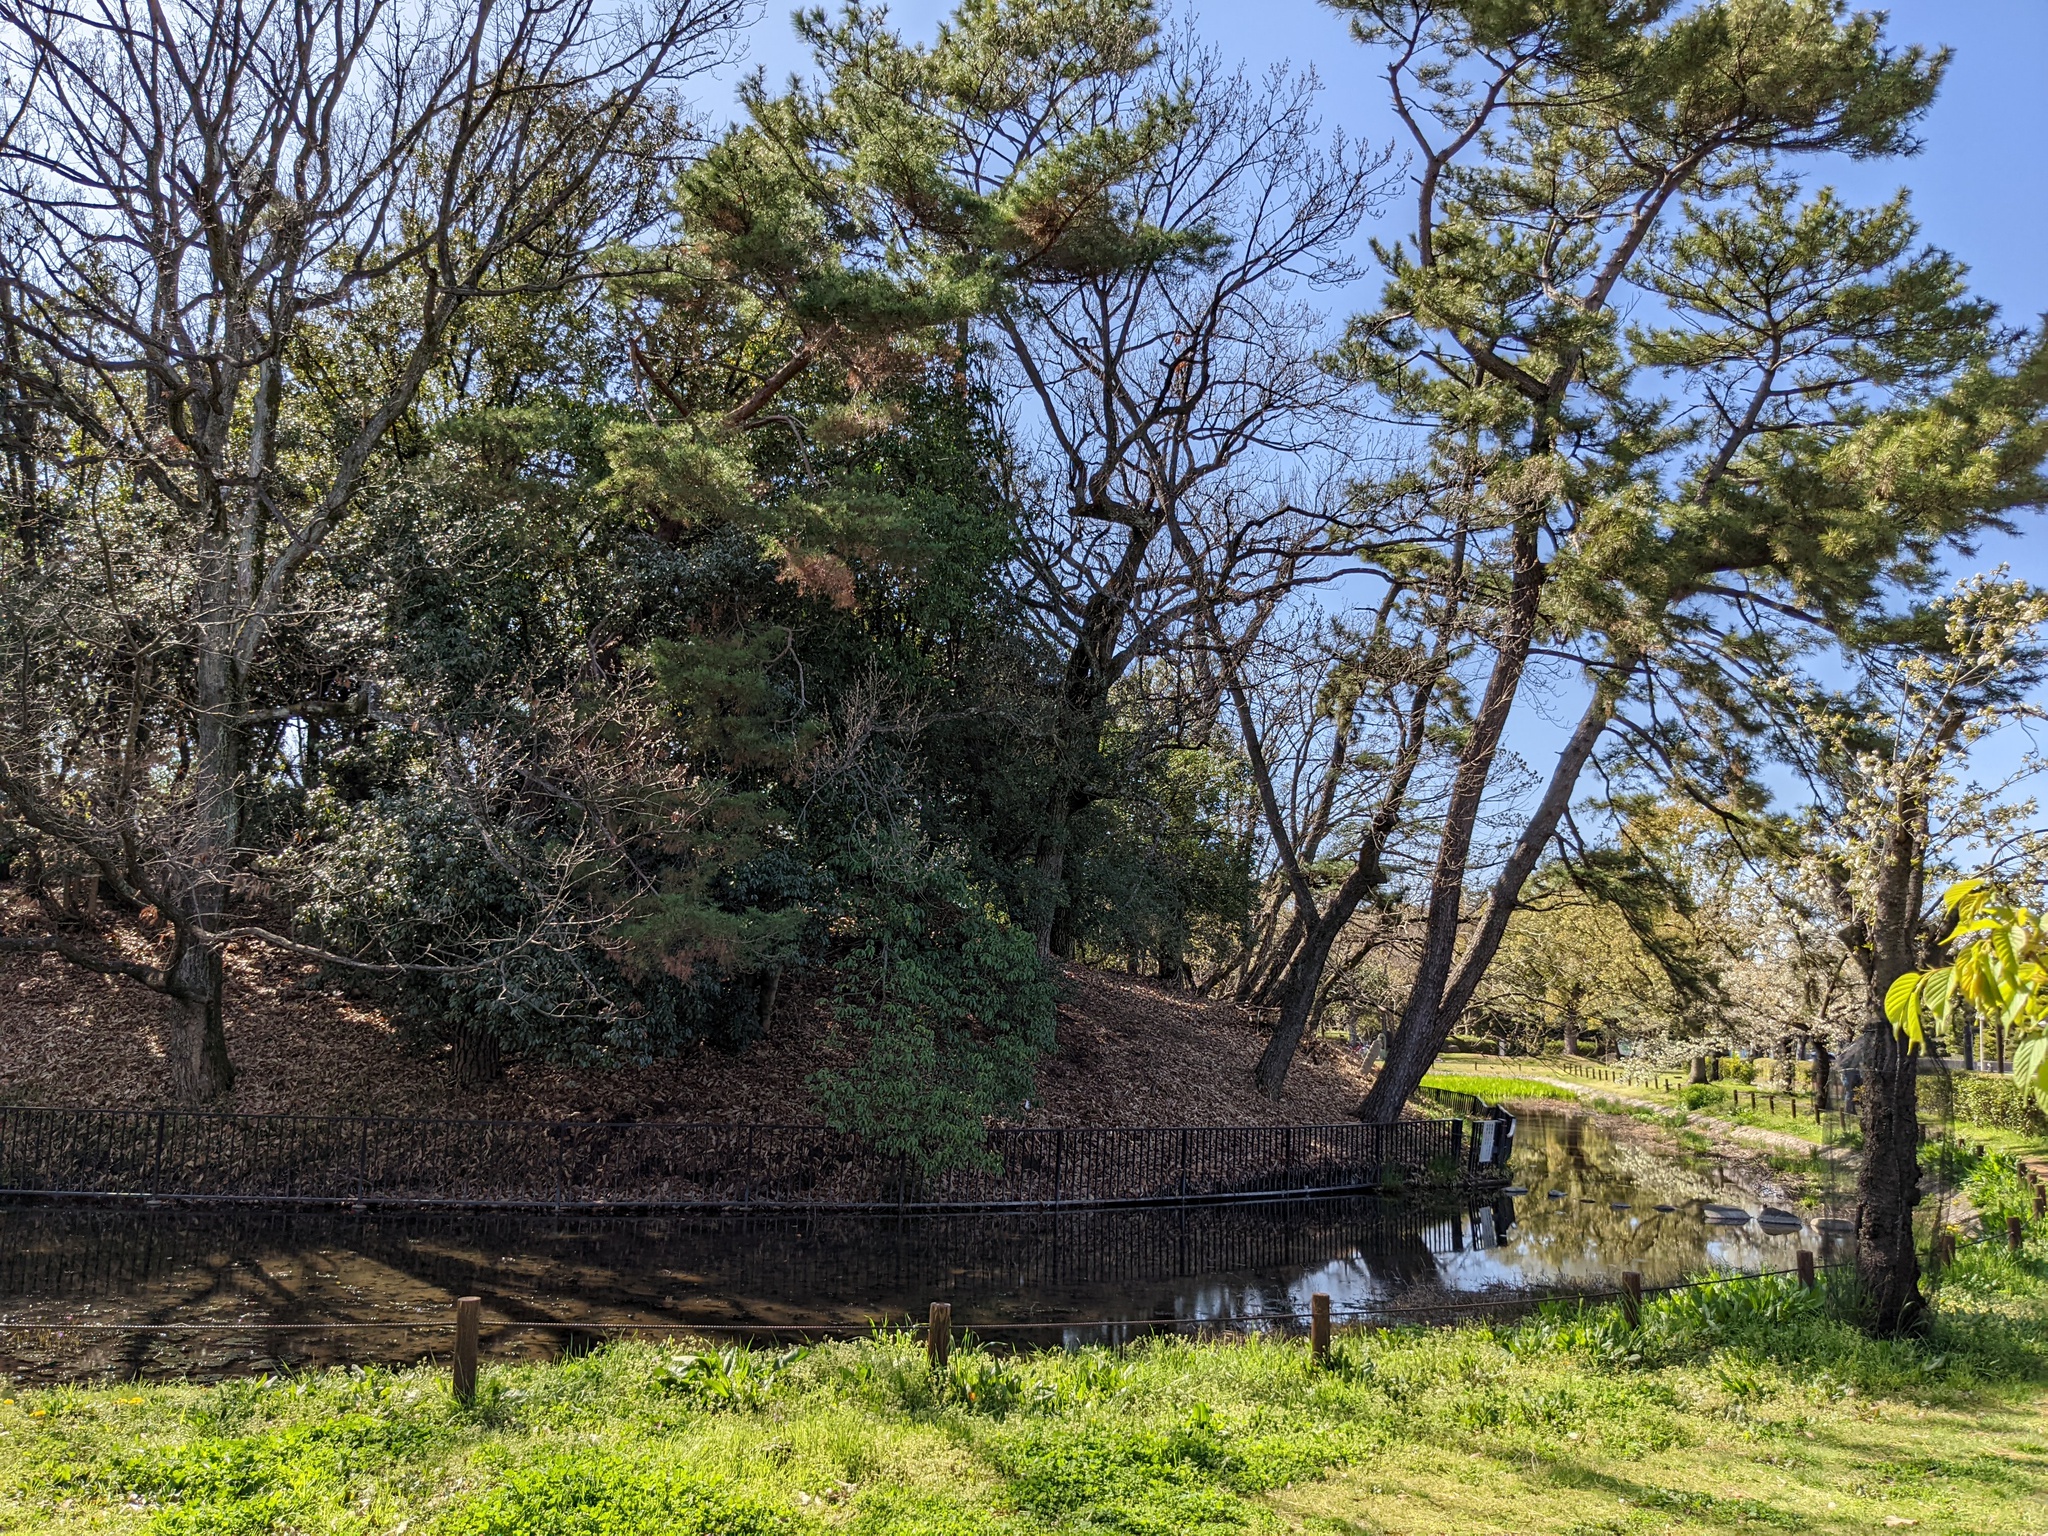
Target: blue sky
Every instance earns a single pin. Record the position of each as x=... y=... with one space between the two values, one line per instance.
x=1979 y=186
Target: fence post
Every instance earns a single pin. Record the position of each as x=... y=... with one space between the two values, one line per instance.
x=938 y=1335
x=468 y=1321
x=1319 y=1328
x=2015 y=1233
x=1631 y=1297
x=1804 y=1262
x=156 y=1170
x=1944 y=1250
x=2040 y=1202
x=1183 y=1162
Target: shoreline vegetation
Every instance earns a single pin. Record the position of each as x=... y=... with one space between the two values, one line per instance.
x=1741 y=1405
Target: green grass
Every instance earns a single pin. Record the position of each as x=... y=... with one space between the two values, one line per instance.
x=1494 y=1089
x=1745 y=1406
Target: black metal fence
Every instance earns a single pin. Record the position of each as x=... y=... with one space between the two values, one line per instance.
x=661 y=1165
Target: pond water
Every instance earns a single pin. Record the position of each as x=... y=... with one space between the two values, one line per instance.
x=1591 y=1210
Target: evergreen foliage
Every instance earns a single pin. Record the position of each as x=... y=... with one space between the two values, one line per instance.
x=570 y=576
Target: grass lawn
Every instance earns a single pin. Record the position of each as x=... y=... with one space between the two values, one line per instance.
x=1744 y=1406
x=1496 y=1088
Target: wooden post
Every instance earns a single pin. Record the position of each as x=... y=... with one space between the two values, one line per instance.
x=2015 y=1233
x=2040 y=1202
x=469 y=1311
x=1803 y=1260
x=1944 y=1249
x=938 y=1335
x=1631 y=1297
x=1319 y=1328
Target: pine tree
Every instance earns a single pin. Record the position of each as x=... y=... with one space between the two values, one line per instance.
x=1811 y=406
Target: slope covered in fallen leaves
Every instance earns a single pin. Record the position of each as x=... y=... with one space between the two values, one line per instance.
x=1130 y=1053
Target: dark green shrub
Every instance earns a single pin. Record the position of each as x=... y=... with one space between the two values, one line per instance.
x=949 y=996
x=1981 y=1098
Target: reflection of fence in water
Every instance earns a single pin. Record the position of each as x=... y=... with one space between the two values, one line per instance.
x=83 y=1252
x=183 y=1154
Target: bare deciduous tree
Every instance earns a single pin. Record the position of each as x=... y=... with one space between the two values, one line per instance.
x=193 y=191
x=1146 y=389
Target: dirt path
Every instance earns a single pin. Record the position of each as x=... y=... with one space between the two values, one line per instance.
x=1705 y=1124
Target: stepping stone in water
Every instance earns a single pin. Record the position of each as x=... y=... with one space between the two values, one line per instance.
x=1835 y=1224
x=1617 y=1205
x=1516 y=1189
x=1667 y=1209
x=1557 y=1194
x=1726 y=1215
x=1774 y=1220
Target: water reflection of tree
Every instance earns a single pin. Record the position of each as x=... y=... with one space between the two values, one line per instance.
x=290 y=1267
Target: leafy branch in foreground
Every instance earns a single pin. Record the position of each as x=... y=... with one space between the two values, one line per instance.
x=1999 y=949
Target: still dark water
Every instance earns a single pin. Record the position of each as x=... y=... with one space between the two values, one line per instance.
x=1590 y=1212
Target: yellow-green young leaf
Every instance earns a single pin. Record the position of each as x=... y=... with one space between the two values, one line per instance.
x=1966 y=897
x=2001 y=959
x=1902 y=1001
x=1973 y=977
x=2019 y=1005
x=2030 y=1067
x=1937 y=993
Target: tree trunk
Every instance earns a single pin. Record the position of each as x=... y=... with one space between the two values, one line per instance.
x=1298 y=1001
x=1823 y=1069
x=1571 y=1033
x=1420 y=1034
x=200 y=1068
x=1092 y=670
x=1434 y=1007
x=198 y=1047
x=1305 y=971
x=1888 y=1184
x=478 y=1061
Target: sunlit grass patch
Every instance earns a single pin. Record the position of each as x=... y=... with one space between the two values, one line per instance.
x=1494 y=1088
